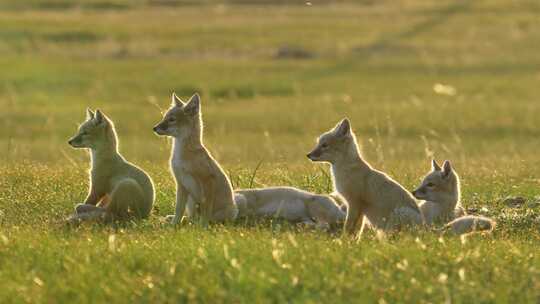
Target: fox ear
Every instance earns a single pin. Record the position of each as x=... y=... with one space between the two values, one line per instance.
x=176 y=101
x=89 y=114
x=435 y=166
x=447 y=168
x=193 y=106
x=100 y=118
x=343 y=128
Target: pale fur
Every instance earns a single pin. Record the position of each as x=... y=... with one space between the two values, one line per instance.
x=340 y=200
x=368 y=192
x=118 y=189
x=200 y=180
x=440 y=193
x=469 y=224
x=441 y=189
x=291 y=204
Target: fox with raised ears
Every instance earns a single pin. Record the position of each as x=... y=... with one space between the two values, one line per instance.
x=200 y=180
x=367 y=192
x=440 y=192
x=118 y=189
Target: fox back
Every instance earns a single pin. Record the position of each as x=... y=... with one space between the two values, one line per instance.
x=469 y=224
x=299 y=203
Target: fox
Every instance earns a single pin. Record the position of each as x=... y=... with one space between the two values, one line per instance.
x=118 y=190
x=440 y=194
x=440 y=191
x=368 y=193
x=200 y=181
x=291 y=204
x=469 y=224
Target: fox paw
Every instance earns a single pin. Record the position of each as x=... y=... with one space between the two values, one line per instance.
x=172 y=219
x=80 y=208
x=73 y=221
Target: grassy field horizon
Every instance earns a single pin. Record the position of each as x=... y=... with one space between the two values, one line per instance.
x=453 y=80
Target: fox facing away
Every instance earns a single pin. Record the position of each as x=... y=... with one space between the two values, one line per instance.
x=199 y=178
x=291 y=204
x=118 y=189
x=441 y=191
x=368 y=192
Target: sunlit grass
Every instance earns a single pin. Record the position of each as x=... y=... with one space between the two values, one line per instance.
x=418 y=79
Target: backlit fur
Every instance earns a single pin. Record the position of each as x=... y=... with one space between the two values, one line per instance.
x=291 y=204
x=118 y=189
x=368 y=192
x=199 y=178
x=440 y=194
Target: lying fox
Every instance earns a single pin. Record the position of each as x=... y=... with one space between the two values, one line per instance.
x=118 y=189
x=440 y=190
x=469 y=224
x=367 y=192
x=200 y=181
x=291 y=204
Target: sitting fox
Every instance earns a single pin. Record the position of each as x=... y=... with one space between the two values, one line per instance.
x=367 y=192
x=200 y=181
x=118 y=189
x=291 y=204
x=441 y=191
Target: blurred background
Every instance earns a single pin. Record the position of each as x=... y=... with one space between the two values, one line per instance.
x=418 y=79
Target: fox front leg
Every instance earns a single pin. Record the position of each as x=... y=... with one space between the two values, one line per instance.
x=101 y=205
x=208 y=196
x=192 y=208
x=92 y=198
x=181 y=199
x=354 y=217
x=95 y=195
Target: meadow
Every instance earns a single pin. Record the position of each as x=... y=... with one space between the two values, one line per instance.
x=455 y=80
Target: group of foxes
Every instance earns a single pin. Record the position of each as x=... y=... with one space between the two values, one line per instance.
x=363 y=196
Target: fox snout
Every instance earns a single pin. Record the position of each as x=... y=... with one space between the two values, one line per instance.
x=314 y=155
x=160 y=128
x=76 y=142
x=418 y=193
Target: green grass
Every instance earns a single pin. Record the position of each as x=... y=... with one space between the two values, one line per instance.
x=376 y=62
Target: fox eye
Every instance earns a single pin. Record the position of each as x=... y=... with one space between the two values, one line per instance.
x=171 y=118
x=430 y=184
x=324 y=145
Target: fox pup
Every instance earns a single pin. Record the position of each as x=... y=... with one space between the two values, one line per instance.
x=470 y=223
x=289 y=203
x=440 y=192
x=118 y=189
x=368 y=192
x=199 y=178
